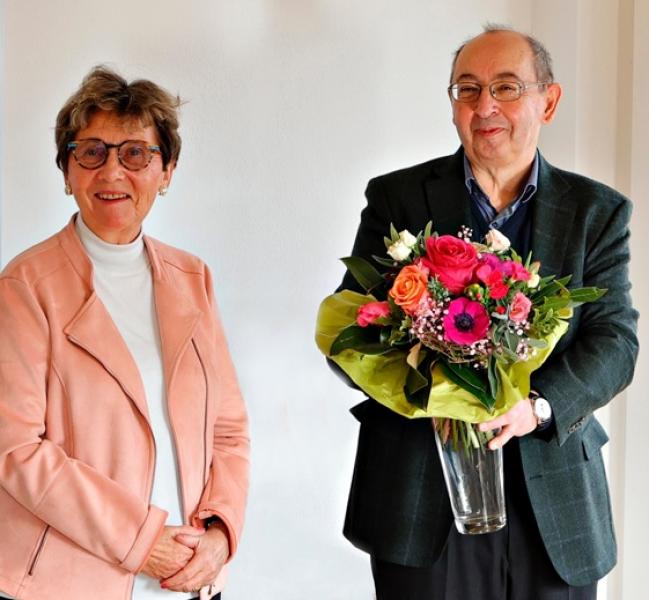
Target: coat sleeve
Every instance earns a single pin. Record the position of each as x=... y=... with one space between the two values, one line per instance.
x=376 y=218
x=374 y=225
x=226 y=491
x=68 y=495
x=601 y=360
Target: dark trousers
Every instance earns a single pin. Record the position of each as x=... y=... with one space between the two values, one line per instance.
x=510 y=564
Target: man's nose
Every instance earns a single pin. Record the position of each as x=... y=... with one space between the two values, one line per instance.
x=486 y=105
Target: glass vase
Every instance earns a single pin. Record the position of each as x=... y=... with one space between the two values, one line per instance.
x=474 y=477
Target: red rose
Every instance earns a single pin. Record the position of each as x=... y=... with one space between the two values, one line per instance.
x=370 y=313
x=452 y=260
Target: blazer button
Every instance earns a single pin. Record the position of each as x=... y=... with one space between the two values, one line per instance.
x=576 y=425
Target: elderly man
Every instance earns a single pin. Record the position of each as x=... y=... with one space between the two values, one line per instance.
x=559 y=538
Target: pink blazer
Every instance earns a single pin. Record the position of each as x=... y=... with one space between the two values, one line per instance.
x=76 y=448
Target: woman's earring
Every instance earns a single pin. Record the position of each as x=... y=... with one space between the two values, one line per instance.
x=68 y=189
x=163 y=190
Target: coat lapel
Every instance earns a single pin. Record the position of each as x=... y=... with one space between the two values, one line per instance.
x=177 y=314
x=553 y=209
x=553 y=213
x=447 y=197
x=93 y=330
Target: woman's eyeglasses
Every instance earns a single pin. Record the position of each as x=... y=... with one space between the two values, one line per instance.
x=93 y=153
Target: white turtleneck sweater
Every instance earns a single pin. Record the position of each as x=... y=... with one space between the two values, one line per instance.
x=124 y=284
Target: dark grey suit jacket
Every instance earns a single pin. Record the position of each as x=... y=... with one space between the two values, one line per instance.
x=398 y=507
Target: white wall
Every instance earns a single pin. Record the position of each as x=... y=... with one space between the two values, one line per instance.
x=636 y=489
x=292 y=106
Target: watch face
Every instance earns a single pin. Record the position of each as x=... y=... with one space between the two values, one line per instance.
x=542 y=409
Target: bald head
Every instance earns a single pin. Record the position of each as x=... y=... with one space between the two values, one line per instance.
x=541 y=59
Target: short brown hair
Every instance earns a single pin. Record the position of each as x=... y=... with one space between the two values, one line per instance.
x=141 y=101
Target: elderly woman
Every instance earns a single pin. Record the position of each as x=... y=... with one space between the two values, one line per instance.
x=123 y=434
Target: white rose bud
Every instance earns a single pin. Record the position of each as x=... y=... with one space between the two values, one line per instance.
x=407 y=238
x=497 y=241
x=399 y=251
x=534 y=280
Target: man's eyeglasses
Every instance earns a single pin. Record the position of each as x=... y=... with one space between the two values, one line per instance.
x=93 y=153
x=503 y=91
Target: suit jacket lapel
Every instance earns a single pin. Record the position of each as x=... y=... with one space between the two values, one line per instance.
x=553 y=209
x=447 y=197
x=553 y=212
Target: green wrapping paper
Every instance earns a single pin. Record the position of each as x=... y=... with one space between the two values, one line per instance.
x=383 y=377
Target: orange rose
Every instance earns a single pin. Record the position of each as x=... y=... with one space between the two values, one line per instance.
x=409 y=286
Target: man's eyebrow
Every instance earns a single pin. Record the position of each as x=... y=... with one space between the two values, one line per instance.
x=498 y=77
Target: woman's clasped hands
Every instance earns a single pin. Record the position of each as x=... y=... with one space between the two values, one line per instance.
x=186 y=558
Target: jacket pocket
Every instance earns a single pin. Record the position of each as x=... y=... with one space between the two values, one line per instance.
x=593 y=438
x=37 y=552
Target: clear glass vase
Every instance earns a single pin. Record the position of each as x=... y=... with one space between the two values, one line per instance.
x=474 y=477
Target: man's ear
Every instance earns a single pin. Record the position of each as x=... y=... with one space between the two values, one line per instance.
x=552 y=97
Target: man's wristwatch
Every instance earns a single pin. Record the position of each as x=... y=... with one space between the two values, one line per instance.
x=542 y=410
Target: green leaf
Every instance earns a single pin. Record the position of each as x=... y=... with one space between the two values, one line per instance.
x=394 y=233
x=387 y=241
x=556 y=286
x=587 y=294
x=397 y=336
x=363 y=272
x=537 y=343
x=467 y=379
x=556 y=303
x=492 y=377
x=510 y=355
x=386 y=262
x=544 y=281
x=428 y=230
x=528 y=260
x=511 y=340
x=361 y=339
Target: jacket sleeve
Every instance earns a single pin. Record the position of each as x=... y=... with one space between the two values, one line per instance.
x=226 y=490
x=376 y=218
x=375 y=224
x=600 y=362
x=70 y=496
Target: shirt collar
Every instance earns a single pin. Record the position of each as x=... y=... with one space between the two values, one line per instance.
x=528 y=189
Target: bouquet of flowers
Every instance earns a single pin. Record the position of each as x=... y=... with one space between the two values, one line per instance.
x=449 y=328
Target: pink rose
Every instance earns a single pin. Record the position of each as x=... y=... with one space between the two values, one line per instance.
x=520 y=307
x=452 y=260
x=371 y=312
